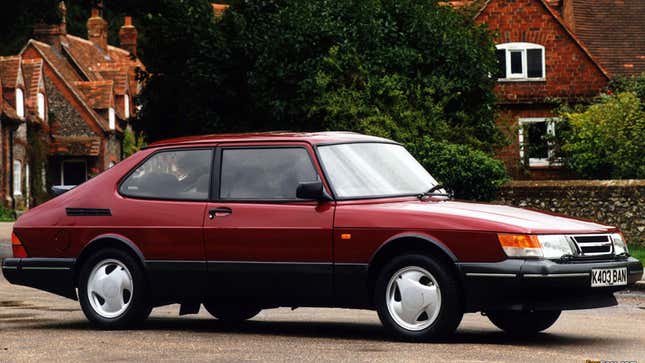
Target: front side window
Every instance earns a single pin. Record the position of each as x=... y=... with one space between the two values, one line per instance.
x=264 y=174
x=362 y=170
x=177 y=174
x=536 y=138
x=520 y=61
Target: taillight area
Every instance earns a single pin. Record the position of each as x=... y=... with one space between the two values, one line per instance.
x=17 y=248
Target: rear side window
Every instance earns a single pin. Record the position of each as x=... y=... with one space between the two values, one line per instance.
x=264 y=174
x=178 y=174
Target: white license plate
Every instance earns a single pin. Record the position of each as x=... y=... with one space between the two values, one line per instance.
x=609 y=277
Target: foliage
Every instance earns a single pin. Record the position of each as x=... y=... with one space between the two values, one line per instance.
x=635 y=84
x=607 y=139
x=470 y=173
x=132 y=142
x=637 y=252
x=37 y=151
x=17 y=20
x=6 y=214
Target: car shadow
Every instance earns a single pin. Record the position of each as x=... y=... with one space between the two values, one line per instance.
x=338 y=330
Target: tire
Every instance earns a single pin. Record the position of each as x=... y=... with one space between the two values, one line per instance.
x=112 y=290
x=523 y=323
x=232 y=313
x=431 y=308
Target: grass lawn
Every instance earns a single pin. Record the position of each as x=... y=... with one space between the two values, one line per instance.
x=637 y=252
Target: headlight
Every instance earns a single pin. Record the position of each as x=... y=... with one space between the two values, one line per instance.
x=620 y=246
x=534 y=246
x=555 y=245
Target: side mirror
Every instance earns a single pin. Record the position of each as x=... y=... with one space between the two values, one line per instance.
x=312 y=190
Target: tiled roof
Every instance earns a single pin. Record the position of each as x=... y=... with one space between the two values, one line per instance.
x=10 y=71
x=120 y=79
x=9 y=111
x=32 y=71
x=614 y=31
x=98 y=94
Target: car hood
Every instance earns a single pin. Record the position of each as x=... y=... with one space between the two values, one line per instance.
x=454 y=215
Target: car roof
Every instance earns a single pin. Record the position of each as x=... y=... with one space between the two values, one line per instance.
x=314 y=138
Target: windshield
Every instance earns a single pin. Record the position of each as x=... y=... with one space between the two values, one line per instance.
x=363 y=170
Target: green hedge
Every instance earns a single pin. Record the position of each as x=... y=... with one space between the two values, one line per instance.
x=469 y=173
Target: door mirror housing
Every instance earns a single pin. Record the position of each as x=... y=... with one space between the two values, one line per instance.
x=312 y=190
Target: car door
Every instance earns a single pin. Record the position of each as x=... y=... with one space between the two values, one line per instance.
x=260 y=240
x=161 y=207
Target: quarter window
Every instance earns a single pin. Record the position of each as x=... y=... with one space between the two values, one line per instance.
x=179 y=174
x=520 y=61
x=264 y=174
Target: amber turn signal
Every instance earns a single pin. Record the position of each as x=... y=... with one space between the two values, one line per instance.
x=520 y=245
x=17 y=248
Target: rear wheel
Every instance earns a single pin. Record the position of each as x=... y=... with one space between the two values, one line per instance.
x=232 y=313
x=112 y=290
x=417 y=298
x=523 y=322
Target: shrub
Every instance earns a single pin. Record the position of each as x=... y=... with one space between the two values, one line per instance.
x=470 y=173
x=607 y=140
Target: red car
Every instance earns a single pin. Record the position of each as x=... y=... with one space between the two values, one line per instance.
x=246 y=222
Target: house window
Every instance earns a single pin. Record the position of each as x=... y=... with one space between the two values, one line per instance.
x=41 y=106
x=73 y=172
x=126 y=101
x=17 y=177
x=536 y=141
x=520 y=61
x=20 y=103
x=111 y=118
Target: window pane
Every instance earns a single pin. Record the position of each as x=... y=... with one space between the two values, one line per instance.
x=183 y=175
x=373 y=169
x=537 y=144
x=516 y=62
x=501 y=63
x=264 y=174
x=534 y=63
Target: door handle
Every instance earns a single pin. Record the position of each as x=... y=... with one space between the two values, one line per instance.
x=219 y=212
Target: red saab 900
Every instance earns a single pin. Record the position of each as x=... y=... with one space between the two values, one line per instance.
x=241 y=223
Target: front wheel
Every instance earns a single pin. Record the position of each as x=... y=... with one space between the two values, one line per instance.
x=523 y=322
x=418 y=298
x=111 y=290
x=232 y=313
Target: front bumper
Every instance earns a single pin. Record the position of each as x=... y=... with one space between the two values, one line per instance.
x=516 y=284
x=53 y=275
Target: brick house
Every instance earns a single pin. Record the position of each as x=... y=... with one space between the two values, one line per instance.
x=583 y=44
x=542 y=62
x=76 y=96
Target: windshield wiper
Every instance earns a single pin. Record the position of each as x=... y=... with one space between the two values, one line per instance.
x=431 y=192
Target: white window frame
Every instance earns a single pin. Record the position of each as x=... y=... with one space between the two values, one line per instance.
x=41 y=105
x=17 y=177
x=550 y=130
x=20 y=103
x=111 y=118
x=62 y=168
x=126 y=107
x=521 y=47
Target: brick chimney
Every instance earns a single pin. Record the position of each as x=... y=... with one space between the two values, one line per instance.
x=128 y=36
x=51 y=33
x=97 y=28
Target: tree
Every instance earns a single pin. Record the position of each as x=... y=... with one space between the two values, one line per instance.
x=607 y=139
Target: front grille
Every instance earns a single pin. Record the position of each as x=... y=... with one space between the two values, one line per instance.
x=593 y=245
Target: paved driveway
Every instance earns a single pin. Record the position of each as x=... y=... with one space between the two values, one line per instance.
x=5 y=239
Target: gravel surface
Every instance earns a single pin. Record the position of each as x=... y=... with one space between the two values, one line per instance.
x=36 y=326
